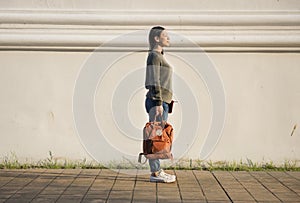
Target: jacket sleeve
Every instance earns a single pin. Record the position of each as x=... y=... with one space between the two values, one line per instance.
x=153 y=78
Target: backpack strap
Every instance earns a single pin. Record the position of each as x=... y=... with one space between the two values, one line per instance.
x=140 y=158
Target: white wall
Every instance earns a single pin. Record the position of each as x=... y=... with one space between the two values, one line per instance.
x=253 y=45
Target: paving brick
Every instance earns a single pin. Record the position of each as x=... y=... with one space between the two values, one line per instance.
x=71 y=191
x=144 y=196
x=45 y=198
x=93 y=200
x=288 y=197
x=18 y=200
x=240 y=196
x=70 y=199
x=134 y=186
x=98 y=192
x=192 y=196
x=120 y=195
x=294 y=174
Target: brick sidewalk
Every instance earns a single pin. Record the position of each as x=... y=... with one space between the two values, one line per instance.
x=37 y=185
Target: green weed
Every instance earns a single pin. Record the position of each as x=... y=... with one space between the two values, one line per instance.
x=51 y=162
x=249 y=165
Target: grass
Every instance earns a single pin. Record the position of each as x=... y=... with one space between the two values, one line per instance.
x=52 y=162
x=11 y=162
x=249 y=165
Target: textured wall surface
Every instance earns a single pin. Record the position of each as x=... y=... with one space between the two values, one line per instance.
x=253 y=47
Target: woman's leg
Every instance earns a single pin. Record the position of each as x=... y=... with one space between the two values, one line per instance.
x=155 y=163
x=149 y=104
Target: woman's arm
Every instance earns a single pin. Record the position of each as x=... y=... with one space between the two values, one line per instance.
x=153 y=78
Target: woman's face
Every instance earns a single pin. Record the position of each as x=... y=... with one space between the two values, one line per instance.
x=164 y=40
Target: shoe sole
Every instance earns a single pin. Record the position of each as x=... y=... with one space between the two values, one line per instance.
x=162 y=181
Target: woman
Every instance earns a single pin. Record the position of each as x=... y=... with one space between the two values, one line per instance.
x=159 y=95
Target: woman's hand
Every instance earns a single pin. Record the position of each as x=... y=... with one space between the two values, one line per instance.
x=159 y=110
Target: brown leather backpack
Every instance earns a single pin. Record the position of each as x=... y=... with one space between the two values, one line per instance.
x=157 y=143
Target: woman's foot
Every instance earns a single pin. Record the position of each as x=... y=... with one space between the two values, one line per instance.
x=163 y=177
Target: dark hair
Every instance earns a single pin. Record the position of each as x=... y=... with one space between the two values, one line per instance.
x=154 y=32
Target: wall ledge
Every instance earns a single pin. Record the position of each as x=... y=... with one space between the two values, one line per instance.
x=212 y=30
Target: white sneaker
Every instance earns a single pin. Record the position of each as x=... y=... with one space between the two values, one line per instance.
x=163 y=177
x=163 y=172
